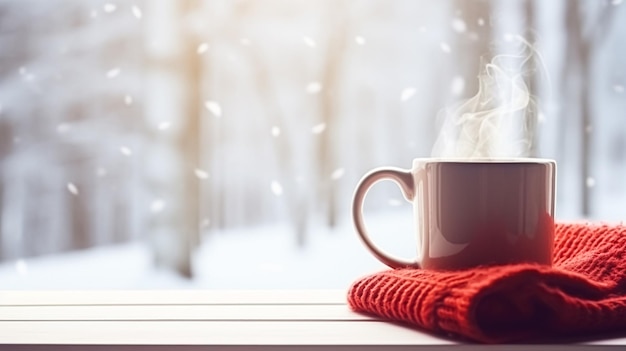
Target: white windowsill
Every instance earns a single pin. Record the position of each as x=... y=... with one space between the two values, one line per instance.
x=188 y=319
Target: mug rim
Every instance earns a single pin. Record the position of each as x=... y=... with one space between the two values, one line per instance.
x=483 y=160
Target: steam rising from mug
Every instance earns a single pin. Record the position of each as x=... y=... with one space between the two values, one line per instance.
x=499 y=121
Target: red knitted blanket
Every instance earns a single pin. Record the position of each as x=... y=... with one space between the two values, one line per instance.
x=583 y=293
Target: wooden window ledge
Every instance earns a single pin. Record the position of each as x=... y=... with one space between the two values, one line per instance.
x=215 y=319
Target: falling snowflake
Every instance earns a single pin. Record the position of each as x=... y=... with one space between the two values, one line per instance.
x=202 y=48
x=94 y=14
x=72 y=188
x=338 y=173
x=309 y=41
x=137 y=12
x=509 y=37
x=590 y=182
x=275 y=131
x=277 y=189
x=618 y=88
x=245 y=41
x=164 y=125
x=459 y=25
x=616 y=2
x=109 y=7
x=423 y=29
x=112 y=73
x=21 y=267
x=457 y=86
x=63 y=128
x=157 y=205
x=26 y=75
x=201 y=174
x=359 y=40
x=541 y=117
x=214 y=107
x=126 y=151
x=128 y=100
x=318 y=128
x=101 y=172
x=313 y=87
x=407 y=93
x=481 y=21
x=445 y=47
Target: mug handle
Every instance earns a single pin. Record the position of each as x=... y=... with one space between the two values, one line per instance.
x=404 y=179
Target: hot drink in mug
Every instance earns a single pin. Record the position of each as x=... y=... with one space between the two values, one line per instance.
x=471 y=212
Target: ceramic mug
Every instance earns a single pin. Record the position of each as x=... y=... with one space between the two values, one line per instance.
x=471 y=212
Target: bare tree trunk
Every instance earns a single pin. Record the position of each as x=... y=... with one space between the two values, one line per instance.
x=531 y=117
x=328 y=111
x=2 y=234
x=174 y=222
x=579 y=58
x=296 y=198
x=585 y=128
x=79 y=213
x=474 y=14
x=573 y=67
x=6 y=140
x=189 y=142
x=566 y=87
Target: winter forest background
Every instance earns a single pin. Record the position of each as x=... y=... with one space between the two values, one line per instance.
x=221 y=140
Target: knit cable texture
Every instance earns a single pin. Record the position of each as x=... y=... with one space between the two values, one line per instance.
x=583 y=293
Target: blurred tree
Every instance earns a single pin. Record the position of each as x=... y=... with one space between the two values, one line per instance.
x=472 y=27
x=174 y=68
x=295 y=194
x=531 y=127
x=587 y=26
x=189 y=140
x=6 y=141
x=62 y=91
x=327 y=146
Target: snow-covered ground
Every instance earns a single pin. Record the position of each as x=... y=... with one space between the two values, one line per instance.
x=248 y=258
x=256 y=258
